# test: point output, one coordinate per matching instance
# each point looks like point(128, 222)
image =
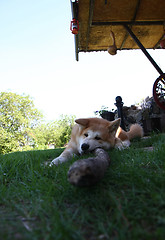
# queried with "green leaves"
point(56, 132)
point(22, 126)
point(17, 116)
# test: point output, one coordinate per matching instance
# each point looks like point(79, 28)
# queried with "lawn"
point(37, 201)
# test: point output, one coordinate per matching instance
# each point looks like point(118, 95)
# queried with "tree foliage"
point(18, 117)
point(22, 126)
point(55, 133)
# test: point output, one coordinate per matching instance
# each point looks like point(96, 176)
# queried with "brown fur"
point(91, 133)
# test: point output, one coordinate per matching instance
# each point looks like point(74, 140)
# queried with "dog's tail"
point(135, 131)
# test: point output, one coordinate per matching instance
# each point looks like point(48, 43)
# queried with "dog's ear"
point(113, 126)
point(82, 121)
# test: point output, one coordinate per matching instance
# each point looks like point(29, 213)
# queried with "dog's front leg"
point(64, 157)
point(121, 144)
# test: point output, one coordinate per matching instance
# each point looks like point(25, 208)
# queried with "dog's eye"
point(98, 138)
point(86, 134)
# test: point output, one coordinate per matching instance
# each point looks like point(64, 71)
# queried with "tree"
point(18, 117)
point(57, 132)
point(22, 126)
point(63, 128)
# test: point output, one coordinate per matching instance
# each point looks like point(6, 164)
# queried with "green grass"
point(37, 202)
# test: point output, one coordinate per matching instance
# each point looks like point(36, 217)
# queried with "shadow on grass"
point(37, 201)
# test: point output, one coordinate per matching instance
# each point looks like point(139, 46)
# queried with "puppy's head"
point(96, 132)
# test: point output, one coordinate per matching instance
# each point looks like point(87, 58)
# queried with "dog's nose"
point(84, 146)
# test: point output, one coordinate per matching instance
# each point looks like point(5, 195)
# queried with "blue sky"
point(37, 58)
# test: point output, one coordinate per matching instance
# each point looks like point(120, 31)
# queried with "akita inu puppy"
point(91, 133)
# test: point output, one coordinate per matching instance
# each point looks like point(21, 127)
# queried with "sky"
point(37, 58)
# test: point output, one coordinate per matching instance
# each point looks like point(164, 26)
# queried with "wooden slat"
point(95, 38)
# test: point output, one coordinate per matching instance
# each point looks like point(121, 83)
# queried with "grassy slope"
point(37, 202)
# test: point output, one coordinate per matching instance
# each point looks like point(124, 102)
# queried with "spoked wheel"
point(159, 91)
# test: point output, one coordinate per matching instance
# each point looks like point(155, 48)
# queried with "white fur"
point(92, 142)
point(88, 131)
point(57, 160)
point(123, 144)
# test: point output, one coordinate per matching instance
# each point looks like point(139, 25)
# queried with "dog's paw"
point(122, 145)
point(57, 161)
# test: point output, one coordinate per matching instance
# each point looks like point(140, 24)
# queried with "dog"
point(91, 133)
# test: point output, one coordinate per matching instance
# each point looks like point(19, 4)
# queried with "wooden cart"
point(137, 24)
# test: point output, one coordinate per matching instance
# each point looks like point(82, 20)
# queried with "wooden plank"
point(97, 38)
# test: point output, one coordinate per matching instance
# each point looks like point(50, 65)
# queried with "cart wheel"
point(159, 91)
